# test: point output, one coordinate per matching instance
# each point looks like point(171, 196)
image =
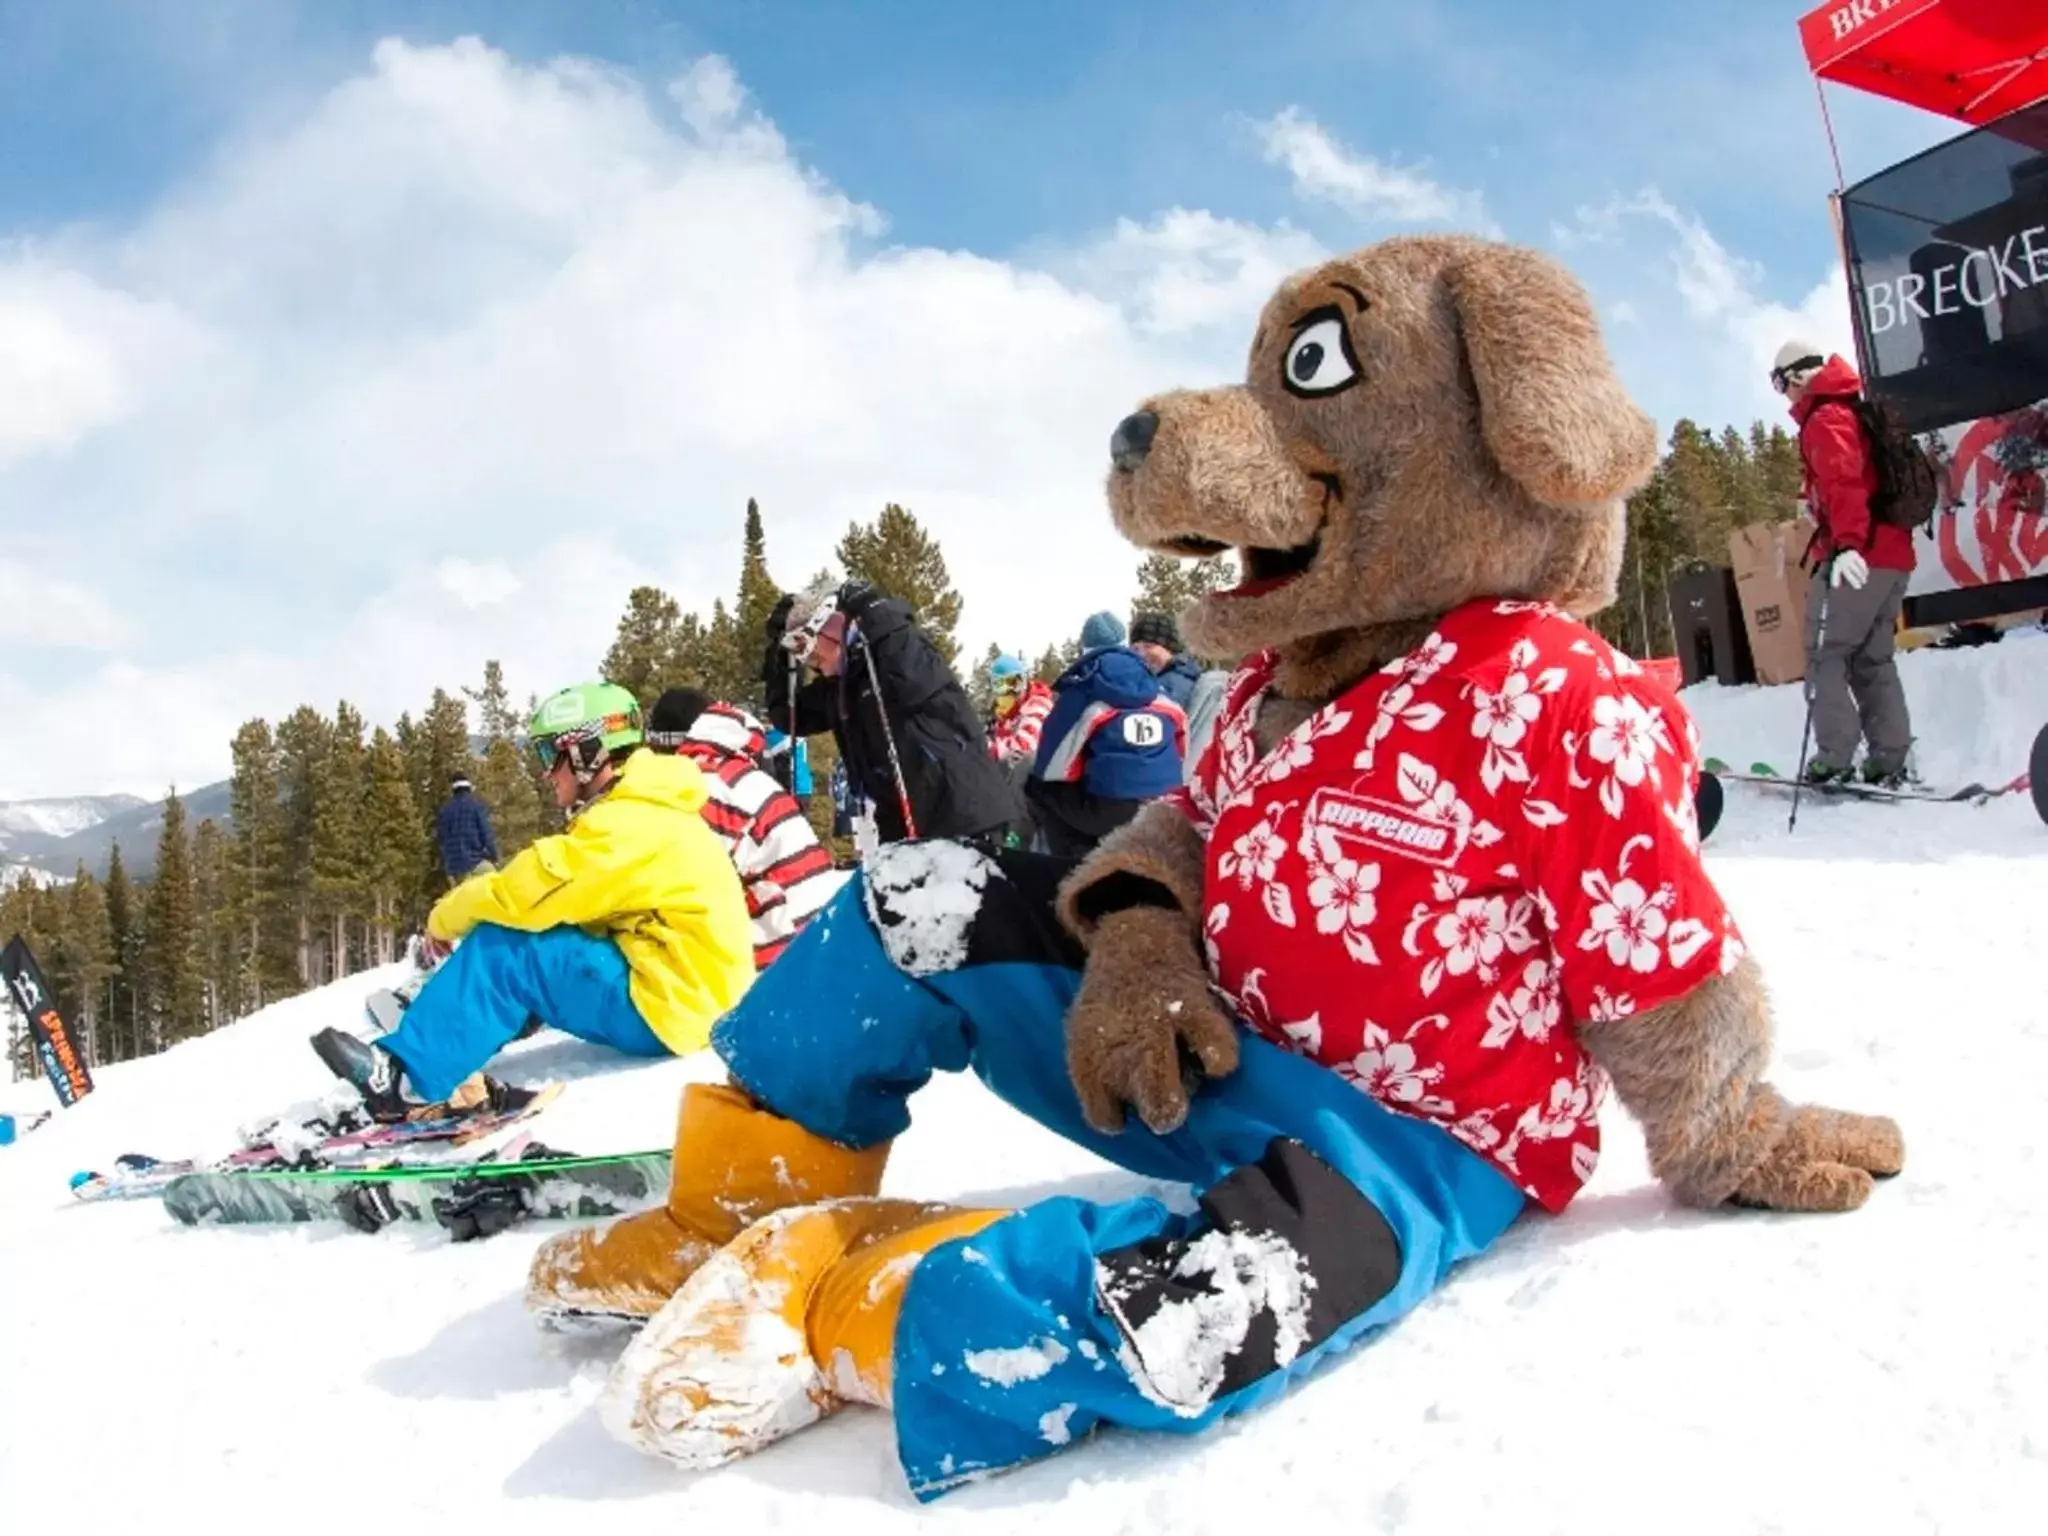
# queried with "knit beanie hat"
point(1101, 631)
point(1156, 629)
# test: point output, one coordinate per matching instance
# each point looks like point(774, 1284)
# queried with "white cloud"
point(478, 585)
point(1325, 171)
point(482, 331)
point(1694, 324)
point(39, 609)
point(1188, 270)
point(75, 354)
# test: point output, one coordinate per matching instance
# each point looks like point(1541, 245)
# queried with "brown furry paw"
point(1144, 1005)
point(1870, 1142)
point(1824, 1162)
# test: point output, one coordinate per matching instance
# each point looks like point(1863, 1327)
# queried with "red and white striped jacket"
point(1013, 737)
point(786, 871)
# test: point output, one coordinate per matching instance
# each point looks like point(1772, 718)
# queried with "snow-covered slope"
point(1625, 1368)
point(59, 818)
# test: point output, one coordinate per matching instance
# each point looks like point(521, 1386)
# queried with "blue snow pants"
point(479, 998)
point(1003, 1350)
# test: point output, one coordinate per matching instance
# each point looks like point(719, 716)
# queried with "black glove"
point(778, 617)
point(776, 666)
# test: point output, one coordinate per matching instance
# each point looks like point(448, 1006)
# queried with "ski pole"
point(889, 740)
point(1820, 635)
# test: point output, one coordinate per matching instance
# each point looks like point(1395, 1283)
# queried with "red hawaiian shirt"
point(1440, 872)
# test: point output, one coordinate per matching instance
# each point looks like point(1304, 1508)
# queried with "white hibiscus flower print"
point(1389, 1070)
point(1531, 1011)
point(1474, 934)
point(1397, 708)
point(1478, 1131)
point(1504, 718)
point(1626, 739)
point(1609, 1006)
point(1427, 659)
point(1256, 856)
point(1630, 925)
point(1341, 889)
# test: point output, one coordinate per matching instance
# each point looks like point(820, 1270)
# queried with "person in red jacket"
point(1860, 582)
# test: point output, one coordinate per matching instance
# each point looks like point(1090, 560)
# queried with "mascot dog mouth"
point(1264, 570)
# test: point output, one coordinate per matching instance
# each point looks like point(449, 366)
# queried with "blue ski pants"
point(479, 998)
point(1003, 1350)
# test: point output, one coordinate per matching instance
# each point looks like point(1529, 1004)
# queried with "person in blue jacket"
point(789, 761)
point(1112, 742)
point(462, 830)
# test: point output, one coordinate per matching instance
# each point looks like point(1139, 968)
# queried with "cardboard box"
point(1772, 588)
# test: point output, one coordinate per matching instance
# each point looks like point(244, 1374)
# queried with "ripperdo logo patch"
point(1381, 826)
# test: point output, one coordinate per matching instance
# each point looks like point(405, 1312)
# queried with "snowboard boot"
point(793, 1319)
point(734, 1163)
point(378, 1075)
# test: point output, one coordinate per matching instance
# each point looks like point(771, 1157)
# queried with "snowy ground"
point(1626, 1368)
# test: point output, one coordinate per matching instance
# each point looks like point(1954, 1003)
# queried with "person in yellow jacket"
point(629, 928)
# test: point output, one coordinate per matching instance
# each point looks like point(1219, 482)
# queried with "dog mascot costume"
point(1362, 983)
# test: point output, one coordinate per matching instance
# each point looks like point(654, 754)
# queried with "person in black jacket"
point(854, 638)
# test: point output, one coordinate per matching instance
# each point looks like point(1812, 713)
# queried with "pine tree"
point(1050, 665)
point(124, 1006)
point(758, 593)
point(1169, 585)
point(506, 786)
point(444, 750)
point(645, 649)
point(337, 842)
point(903, 561)
point(497, 718)
point(257, 876)
point(218, 973)
point(1780, 475)
point(176, 1005)
point(86, 960)
point(396, 841)
point(304, 740)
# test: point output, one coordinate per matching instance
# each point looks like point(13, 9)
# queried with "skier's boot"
point(791, 1320)
point(377, 1074)
point(734, 1163)
point(1819, 775)
point(1884, 776)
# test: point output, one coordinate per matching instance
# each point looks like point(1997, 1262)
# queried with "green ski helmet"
point(586, 723)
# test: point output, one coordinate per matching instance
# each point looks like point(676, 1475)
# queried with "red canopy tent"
point(1974, 60)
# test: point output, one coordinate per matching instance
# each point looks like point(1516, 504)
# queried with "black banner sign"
point(1948, 273)
point(60, 1056)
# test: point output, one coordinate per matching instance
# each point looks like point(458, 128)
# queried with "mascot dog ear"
point(1552, 413)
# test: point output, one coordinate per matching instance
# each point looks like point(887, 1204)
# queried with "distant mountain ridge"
point(58, 835)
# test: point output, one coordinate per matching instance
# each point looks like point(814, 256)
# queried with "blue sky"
point(353, 350)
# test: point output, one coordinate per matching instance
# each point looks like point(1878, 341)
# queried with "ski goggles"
point(1781, 377)
point(828, 623)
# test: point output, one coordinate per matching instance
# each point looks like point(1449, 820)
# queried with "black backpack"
point(1908, 490)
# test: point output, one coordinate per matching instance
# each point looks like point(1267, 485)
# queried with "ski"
point(471, 1199)
point(1850, 789)
point(429, 1141)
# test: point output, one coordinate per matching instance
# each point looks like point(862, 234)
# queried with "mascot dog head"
point(1424, 421)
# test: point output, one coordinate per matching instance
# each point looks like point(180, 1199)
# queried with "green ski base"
point(573, 1188)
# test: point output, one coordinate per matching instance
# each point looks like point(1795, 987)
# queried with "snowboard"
point(429, 1140)
point(472, 1199)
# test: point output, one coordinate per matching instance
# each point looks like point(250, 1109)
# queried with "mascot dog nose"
point(1132, 440)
